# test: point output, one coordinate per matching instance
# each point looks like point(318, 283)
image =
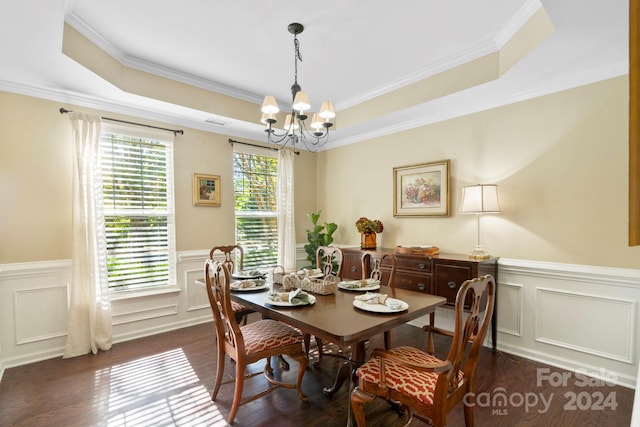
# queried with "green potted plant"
point(320, 235)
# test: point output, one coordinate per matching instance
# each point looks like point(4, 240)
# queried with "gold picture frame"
point(206, 190)
point(421, 190)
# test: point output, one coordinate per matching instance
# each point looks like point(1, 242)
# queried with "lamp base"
point(479, 253)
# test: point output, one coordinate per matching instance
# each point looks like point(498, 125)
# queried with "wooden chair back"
point(372, 263)
point(471, 326)
point(233, 256)
point(329, 260)
point(228, 333)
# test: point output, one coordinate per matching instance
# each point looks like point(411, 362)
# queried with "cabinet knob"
point(421, 286)
point(452, 285)
point(421, 266)
point(353, 269)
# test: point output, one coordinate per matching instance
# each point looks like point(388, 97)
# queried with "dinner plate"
point(312, 300)
point(372, 285)
point(379, 308)
point(261, 287)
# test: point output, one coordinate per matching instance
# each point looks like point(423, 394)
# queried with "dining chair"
point(250, 343)
point(233, 257)
point(329, 260)
point(421, 383)
point(372, 263)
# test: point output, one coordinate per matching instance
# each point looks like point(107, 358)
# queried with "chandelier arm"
point(318, 138)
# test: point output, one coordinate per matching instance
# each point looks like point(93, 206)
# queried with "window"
point(137, 178)
point(254, 183)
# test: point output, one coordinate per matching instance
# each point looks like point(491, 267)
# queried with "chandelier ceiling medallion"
point(295, 128)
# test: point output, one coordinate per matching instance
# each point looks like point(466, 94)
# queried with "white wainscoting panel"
point(138, 314)
point(49, 305)
point(510, 309)
point(574, 317)
point(584, 322)
point(196, 294)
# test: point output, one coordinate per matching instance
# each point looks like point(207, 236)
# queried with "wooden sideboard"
point(440, 275)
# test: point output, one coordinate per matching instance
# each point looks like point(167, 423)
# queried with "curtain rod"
point(232, 141)
point(175, 131)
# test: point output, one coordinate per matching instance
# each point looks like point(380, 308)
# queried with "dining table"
point(335, 319)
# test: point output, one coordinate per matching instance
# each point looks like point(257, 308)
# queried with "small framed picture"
point(421, 190)
point(206, 190)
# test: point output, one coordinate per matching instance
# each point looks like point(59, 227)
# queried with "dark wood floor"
point(165, 380)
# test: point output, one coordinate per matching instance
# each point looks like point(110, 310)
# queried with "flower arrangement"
point(365, 225)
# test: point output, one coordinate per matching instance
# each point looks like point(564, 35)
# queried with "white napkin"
point(294, 297)
point(383, 299)
point(244, 284)
point(372, 298)
point(355, 284)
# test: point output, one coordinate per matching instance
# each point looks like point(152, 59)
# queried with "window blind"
point(254, 180)
point(137, 177)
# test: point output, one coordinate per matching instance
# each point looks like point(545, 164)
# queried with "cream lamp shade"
point(479, 199)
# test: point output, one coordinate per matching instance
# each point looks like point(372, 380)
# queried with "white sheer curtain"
point(286, 211)
point(89, 317)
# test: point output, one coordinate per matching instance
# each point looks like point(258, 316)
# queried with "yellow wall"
point(36, 183)
point(560, 162)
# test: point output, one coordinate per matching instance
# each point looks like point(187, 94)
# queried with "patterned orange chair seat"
point(267, 333)
point(420, 385)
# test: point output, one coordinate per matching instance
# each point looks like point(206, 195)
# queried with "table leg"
point(347, 368)
point(430, 343)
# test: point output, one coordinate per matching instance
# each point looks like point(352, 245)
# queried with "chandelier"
point(295, 128)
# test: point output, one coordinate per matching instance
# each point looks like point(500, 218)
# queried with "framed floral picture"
point(421, 190)
point(206, 190)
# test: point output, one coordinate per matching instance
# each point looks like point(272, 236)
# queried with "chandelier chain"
point(297, 57)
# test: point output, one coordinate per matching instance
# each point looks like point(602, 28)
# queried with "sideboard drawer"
point(351, 265)
point(449, 278)
point(418, 264)
point(412, 282)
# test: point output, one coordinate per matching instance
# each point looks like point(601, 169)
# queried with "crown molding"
point(426, 114)
point(439, 65)
point(236, 128)
point(148, 67)
point(518, 21)
point(418, 116)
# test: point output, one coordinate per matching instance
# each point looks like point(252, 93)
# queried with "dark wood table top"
point(334, 318)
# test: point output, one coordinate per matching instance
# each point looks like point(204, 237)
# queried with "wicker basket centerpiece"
point(325, 286)
point(279, 272)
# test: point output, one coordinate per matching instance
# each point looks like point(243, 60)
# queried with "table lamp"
point(479, 199)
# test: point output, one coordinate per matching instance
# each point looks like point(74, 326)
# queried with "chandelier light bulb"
point(316, 123)
point(327, 111)
point(301, 102)
point(290, 124)
point(269, 105)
